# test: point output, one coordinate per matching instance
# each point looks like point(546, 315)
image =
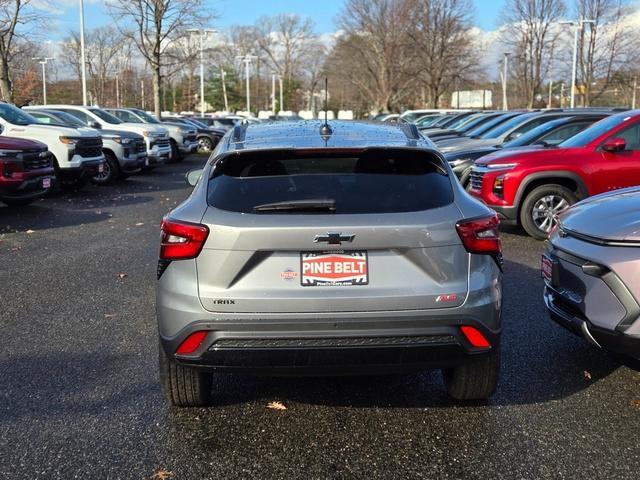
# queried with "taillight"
point(181, 240)
point(480, 235)
point(475, 337)
point(191, 343)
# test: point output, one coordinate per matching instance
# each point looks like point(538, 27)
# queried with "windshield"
point(197, 123)
point(464, 121)
point(69, 120)
point(106, 116)
point(15, 116)
point(477, 122)
point(145, 116)
point(507, 126)
point(486, 126)
point(533, 135)
point(594, 131)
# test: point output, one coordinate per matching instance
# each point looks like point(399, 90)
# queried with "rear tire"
point(183, 386)
point(175, 153)
point(541, 205)
point(476, 380)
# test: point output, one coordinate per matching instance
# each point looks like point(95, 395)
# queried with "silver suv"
point(314, 249)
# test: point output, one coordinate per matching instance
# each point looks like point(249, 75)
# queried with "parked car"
point(590, 268)
point(480, 123)
point(26, 171)
point(156, 137)
point(411, 116)
point(224, 123)
point(548, 134)
point(125, 152)
point(363, 256)
point(207, 137)
point(532, 186)
point(76, 154)
point(183, 139)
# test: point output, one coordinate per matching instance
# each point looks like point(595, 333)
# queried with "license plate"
point(46, 183)
point(101, 168)
point(547, 268)
point(334, 269)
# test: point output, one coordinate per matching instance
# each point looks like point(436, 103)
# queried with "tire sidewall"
point(526, 217)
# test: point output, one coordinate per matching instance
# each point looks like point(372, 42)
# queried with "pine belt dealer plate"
point(334, 269)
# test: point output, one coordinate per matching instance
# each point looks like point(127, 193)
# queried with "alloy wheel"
point(545, 211)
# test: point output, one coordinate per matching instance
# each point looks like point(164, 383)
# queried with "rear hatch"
point(339, 231)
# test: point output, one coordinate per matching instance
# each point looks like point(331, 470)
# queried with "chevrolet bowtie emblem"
point(333, 238)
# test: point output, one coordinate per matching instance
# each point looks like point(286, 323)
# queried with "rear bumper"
point(279, 349)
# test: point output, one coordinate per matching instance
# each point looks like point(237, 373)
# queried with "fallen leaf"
point(122, 275)
point(635, 403)
point(587, 375)
point(276, 406)
point(139, 224)
point(30, 231)
point(162, 475)
point(110, 315)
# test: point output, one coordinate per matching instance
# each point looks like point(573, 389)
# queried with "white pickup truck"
point(77, 154)
point(156, 137)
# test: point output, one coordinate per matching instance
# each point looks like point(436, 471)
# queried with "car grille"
point(160, 142)
point(36, 161)
point(139, 146)
point(476, 179)
point(89, 147)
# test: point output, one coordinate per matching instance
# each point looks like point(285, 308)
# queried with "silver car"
point(314, 249)
point(591, 266)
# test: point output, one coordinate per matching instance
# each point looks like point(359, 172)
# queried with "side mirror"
point(95, 125)
point(614, 145)
point(193, 176)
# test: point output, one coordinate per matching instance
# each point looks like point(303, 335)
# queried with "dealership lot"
point(80, 396)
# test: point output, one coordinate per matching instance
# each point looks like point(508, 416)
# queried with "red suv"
point(531, 186)
point(26, 171)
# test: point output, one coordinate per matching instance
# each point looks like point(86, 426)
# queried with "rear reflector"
point(475, 337)
point(191, 343)
point(181, 240)
point(480, 235)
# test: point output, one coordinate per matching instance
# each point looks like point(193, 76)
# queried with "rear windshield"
point(376, 181)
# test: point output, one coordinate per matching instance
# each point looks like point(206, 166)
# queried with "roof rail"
point(411, 131)
point(239, 131)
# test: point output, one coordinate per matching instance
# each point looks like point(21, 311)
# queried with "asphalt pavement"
point(79, 392)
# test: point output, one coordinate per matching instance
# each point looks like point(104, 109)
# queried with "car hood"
point(611, 216)
point(142, 127)
point(470, 143)
point(119, 133)
point(508, 155)
point(35, 129)
point(11, 143)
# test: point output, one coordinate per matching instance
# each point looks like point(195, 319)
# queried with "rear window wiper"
point(311, 205)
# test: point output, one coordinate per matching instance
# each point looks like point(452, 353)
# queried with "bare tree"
point(529, 32)
point(372, 52)
point(608, 46)
point(13, 14)
point(153, 25)
point(104, 51)
point(442, 44)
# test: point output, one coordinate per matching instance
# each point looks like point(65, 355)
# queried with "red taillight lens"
point(480, 235)
point(181, 240)
point(191, 343)
point(475, 337)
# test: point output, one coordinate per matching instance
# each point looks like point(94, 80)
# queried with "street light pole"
point(281, 95)
point(579, 26)
point(273, 93)
point(202, 32)
point(247, 59)
point(504, 82)
point(43, 61)
point(82, 55)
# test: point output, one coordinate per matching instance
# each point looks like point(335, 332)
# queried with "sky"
point(244, 12)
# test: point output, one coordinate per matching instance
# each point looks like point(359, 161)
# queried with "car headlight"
point(9, 153)
point(501, 166)
point(147, 133)
point(122, 141)
point(69, 140)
